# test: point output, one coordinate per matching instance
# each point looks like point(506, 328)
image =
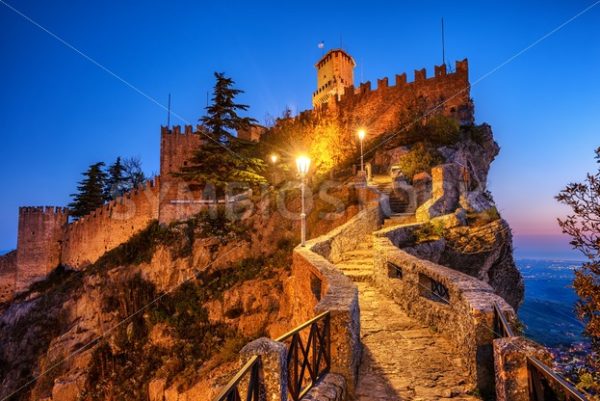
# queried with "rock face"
point(469, 234)
point(489, 248)
point(221, 285)
point(484, 252)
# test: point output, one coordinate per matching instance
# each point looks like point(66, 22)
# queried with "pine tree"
point(223, 158)
point(90, 191)
point(115, 182)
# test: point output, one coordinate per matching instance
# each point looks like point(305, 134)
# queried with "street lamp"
point(274, 158)
point(361, 137)
point(303, 164)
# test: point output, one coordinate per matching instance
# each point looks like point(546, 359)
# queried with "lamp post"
point(361, 137)
point(303, 164)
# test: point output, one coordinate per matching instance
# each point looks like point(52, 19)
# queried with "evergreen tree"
point(223, 158)
point(90, 191)
point(115, 182)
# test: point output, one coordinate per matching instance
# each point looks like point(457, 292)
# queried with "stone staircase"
point(403, 359)
point(358, 264)
point(397, 203)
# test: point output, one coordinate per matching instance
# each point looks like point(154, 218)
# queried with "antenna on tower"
point(169, 112)
point(443, 44)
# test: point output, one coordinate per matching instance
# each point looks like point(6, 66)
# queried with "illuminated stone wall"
point(335, 72)
point(88, 238)
point(38, 243)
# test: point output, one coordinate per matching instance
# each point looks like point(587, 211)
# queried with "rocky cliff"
point(162, 316)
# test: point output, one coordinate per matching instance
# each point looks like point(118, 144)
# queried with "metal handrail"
point(230, 392)
point(304, 325)
point(501, 327)
point(537, 389)
point(308, 360)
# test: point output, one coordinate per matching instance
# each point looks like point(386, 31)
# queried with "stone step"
point(358, 253)
point(355, 264)
point(396, 220)
point(368, 244)
point(358, 275)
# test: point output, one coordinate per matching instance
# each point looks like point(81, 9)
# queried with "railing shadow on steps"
point(543, 383)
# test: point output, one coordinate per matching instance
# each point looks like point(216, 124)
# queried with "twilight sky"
point(59, 112)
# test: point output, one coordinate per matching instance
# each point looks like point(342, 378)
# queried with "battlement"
point(420, 78)
point(47, 210)
point(176, 130)
point(149, 188)
point(113, 223)
point(176, 147)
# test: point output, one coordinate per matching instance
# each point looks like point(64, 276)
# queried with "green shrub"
point(429, 232)
point(442, 130)
point(421, 158)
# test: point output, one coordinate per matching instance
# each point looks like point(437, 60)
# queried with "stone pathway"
point(402, 358)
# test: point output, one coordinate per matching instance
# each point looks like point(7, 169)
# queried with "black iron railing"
point(245, 385)
point(439, 291)
point(545, 385)
point(394, 271)
point(501, 326)
point(308, 357)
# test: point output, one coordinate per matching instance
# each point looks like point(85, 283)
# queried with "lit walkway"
point(402, 358)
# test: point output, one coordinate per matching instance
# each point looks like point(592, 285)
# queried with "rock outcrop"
point(163, 316)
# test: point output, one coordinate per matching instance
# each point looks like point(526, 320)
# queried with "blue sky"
point(59, 112)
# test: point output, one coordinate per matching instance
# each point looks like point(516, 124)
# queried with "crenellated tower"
point(176, 148)
point(41, 231)
point(335, 72)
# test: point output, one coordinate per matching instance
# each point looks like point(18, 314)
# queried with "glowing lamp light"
point(303, 164)
point(274, 158)
point(361, 136)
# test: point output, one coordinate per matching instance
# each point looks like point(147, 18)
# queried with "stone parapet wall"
point(350, 235)
point(466, 316)
point(510, 366)
point(319, 287)
point(88, 238)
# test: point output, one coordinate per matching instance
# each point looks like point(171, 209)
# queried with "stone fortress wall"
point(88, 238)
point(46, 239)
point(378, 110)
point(39, 238)
point(176, 148)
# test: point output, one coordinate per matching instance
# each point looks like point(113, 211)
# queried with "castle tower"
point(176, 199)
point(41, 231)
point(335, 72)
